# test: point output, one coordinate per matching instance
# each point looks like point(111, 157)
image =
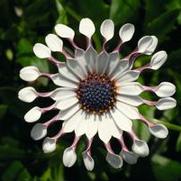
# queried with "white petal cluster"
point(29, 73)
point(87, 27)
point(126, 32)
point(147, 45)
point(69, 157)
point(54, 43)
point(107, 29)
point(38, 131)
point(41, 51)
point(64, 31)
point(27, 94)
point(49, 145)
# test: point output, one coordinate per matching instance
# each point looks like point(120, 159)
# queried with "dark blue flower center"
point(96, 94)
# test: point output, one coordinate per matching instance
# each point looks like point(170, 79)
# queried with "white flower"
point(97, 93)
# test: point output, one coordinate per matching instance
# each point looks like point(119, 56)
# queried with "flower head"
point(97, 93)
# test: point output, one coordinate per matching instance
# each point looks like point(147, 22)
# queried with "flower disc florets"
point(97, 94)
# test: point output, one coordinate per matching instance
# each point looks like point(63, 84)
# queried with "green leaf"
point(166, 169)
point(54, 171)
point(7, 152)
point(163, 24)
point(3, 110)
point(150, 12)
point(38, 14)
point(178, 144)
point(175, 4)
point(8, 96)
point(96, 10)
point(170, 115)
point(174, 59)
point(24, 47)
point(46, 175)
point(141, 130)
point(62, 15)
point(124, 10)
point(16, 171)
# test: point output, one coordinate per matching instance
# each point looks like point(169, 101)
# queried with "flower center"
point(96, 94)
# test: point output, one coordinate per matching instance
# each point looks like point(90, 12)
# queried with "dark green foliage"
point(25, 22)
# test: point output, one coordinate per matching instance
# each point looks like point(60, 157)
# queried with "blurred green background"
point(25, 22)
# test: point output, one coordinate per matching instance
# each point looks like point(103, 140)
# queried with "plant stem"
point(169, 125)
point(72, 13)
point(97, 42)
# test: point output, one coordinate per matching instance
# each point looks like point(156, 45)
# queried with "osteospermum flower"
point(96, 93)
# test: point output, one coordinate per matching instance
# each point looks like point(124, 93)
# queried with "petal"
point(144, 44)
point(69, 112)
point(70, 124)
point(129, 157)
point(92, 127)
point(54, 43)
point(129, 76)
point(102, 62)
point(64, 31)
point(103, 129)
point(33, 115)
point(166, 103)
point(107, 128)
point(133, 89)
point(126, 32)
point(49, 145)
point(69, 157)
point(115, 131)
point(114, 160)
point(107, 29)
point(66, 103)
point(63, 81)
point(62, 93)
point(158, 59)
point(38, 131)
point(165, 89)
point(140, 147)
point(113, 62)
point(131, 100)
point(83, 63)
point(79, 52)
point(41, 51)
point(82, 125)
point(88, 161)
point(130, 111)
point(29, 73)
point(121, 120)
point(76, 68)
point(86, 27)
point(159, 131)
point(122, 66)
point(27, 94)
point(64, 71)
point(90, 58)
point(153, 46)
